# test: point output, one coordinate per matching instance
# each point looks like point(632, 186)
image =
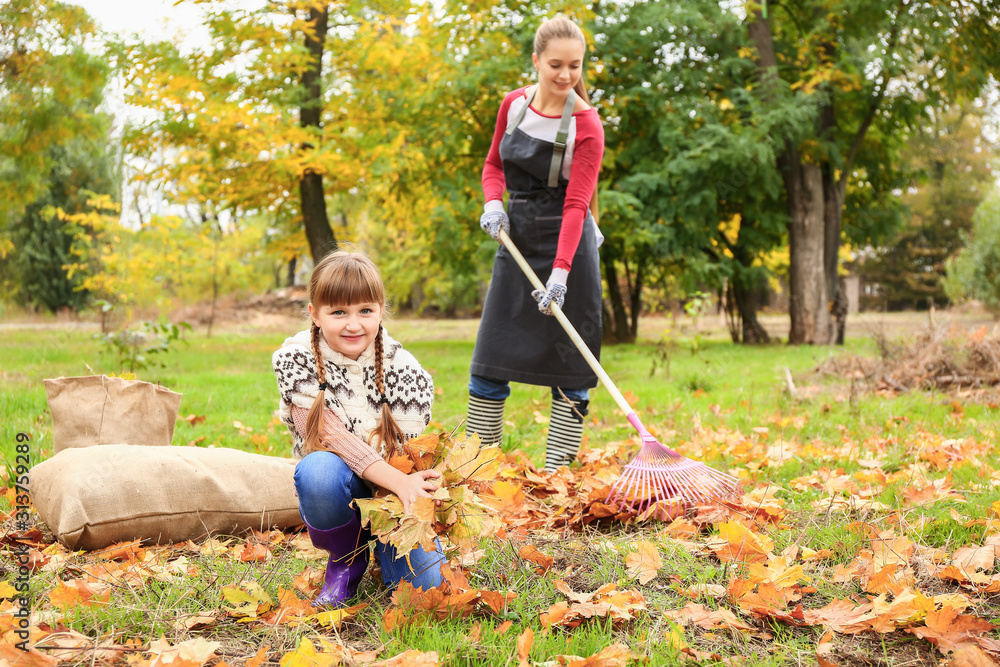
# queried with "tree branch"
point(869, 117)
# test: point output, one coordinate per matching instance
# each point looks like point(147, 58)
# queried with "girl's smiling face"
point(559, 66)
point(348, 330)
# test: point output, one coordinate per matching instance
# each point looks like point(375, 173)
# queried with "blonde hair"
point(560, 27)
point(347, 278)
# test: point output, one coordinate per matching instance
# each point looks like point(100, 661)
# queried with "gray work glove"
point(555, 291)
point(494, 219)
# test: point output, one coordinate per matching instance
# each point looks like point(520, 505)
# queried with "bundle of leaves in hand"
point(460, 516)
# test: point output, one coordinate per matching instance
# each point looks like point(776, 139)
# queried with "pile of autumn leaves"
point(901, 586)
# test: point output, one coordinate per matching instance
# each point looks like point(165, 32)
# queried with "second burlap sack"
point(101, 410)
point(91, 498)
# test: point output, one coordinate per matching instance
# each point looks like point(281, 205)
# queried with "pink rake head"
point(661, 476)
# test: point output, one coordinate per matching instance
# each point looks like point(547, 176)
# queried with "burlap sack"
point(90, 498)
point(99, 410)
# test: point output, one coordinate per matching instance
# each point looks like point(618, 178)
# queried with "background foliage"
point(698, 188)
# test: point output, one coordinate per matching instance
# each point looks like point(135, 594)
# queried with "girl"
point(351, 396)
point(546, 153)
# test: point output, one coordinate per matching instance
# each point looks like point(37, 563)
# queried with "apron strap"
point(560, 144)
point(520, 114)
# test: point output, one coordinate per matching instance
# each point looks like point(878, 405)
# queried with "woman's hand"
point(494, 219)
point(420, 484)
point(554, 292)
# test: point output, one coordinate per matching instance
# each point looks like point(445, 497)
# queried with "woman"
point(546, 154)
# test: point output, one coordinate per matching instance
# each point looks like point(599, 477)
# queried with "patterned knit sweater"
point(352, 398)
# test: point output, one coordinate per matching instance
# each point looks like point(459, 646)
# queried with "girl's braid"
point(388, 430)
point(314, 422)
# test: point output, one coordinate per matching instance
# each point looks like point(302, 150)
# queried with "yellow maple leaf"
point(334, 617)
point(645, 562)
point(468, 461)
point(248, 600)
point(307, 656)
point(416, 527)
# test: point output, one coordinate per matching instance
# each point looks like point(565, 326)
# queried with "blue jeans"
point(499, 390)
point(326, 486)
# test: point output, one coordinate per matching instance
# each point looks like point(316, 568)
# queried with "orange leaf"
point(825, 649)
point(555, 615)
point(504, 627)
point(698, 615)
point(524, 642)
point(255, 553)
point(410, 658)
point(11, 655)
point(531, 553)
point(506, 496)
point(949, 630)
point(402, 462)
point(616, 655)
point(423, 450)
point(76, 593)
point(971, 656)
point(259, 657)
point(497, 602)
point(308, 581)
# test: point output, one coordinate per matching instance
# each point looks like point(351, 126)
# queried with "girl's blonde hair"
point(560, 27)
point(344, 279)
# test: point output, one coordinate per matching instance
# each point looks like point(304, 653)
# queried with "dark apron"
point(516, 342)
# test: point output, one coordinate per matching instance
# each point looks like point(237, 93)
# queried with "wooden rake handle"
point(592, 361)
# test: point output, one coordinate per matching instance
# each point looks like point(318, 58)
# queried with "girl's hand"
point(420, 484)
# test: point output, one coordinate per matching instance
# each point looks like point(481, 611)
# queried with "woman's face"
point(559, 66)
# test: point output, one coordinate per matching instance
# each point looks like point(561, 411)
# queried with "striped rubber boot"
point(565, 432)
point(485, 418)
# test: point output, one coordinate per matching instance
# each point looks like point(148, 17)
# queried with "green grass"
point(681, 391)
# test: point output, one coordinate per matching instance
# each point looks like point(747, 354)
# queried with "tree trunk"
point(313, 200)
point(833, 211)
point(620, 331)
point(744, 297)
point(808, 308)
point(807, 298)
point(636, 297)
point(833, 203)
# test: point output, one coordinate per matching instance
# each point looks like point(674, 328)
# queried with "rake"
point(658, 475)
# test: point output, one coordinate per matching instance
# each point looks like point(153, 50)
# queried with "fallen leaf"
point(306, 655)
point(949, 630)
point(248, 600)
point(77, 593)
point(524, 642)
point(190, 653)
point(255, 553)
point(259, 657)
point(11, 655)
point(334, 617)
point(645, 562)
point(698, 615)
point(410, 658)
point(824, 651)
point(531, 553)
point(202, 619)
point(971, 656)
point(616, 655)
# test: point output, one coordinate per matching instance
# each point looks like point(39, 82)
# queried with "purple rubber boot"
point(348, 547)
